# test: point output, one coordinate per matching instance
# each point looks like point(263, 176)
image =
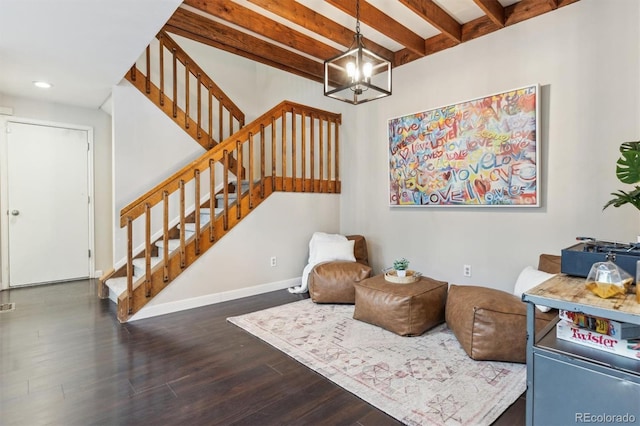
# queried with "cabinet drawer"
point(568, 392)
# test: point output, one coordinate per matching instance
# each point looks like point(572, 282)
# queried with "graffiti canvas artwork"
point(479, 153)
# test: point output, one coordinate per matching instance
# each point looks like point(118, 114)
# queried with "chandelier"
point(357, 75)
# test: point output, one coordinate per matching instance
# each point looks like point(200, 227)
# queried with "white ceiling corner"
point(82, 47)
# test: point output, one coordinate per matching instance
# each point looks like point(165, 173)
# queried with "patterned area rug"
point(425, 380)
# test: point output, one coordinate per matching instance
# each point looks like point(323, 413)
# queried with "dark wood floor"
point(65, 360)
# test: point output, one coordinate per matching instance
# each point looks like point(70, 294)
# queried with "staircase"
point(291, 147)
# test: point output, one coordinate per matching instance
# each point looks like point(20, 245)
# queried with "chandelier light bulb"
point(351, 70)
point(367, 70)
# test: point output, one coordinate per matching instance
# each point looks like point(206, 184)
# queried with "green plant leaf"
point(622, 198)
point(628, 166)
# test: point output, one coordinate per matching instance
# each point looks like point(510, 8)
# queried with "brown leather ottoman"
point(491, 324)
point(405, 309)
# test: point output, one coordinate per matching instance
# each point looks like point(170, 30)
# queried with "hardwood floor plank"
point(65, 360)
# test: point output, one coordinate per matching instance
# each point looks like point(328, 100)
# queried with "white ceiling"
point(82, 47)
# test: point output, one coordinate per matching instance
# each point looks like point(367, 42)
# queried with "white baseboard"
point(210, 299)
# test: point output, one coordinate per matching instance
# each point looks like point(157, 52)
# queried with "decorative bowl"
point(411, 277)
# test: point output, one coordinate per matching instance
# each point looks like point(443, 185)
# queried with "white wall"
point(586, 57)
point(255, 87)
point(101, 124)
point(147, 148)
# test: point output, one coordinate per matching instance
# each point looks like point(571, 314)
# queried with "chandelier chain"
point(357, 16)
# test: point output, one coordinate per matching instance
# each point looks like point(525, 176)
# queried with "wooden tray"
point(412, 276)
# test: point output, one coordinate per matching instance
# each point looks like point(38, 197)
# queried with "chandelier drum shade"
point(357, 75)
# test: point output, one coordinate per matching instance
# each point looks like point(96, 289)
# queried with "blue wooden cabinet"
point(568, 383)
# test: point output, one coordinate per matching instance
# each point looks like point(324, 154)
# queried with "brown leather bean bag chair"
point(491, 324)
point(332, 282)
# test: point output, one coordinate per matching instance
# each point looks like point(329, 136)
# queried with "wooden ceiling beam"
point(382, 23)
point(480, 27)
point(493, 9)
point(196, 27)
point(309, 19)
point(269, 47)
point(259, 24)
point(525, 9)
point(436, 16)
point(562, 3)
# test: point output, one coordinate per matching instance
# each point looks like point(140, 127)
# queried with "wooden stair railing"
point(291, 148)
point(214, 117)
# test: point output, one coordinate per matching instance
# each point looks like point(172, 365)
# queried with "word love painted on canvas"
point(482, 152)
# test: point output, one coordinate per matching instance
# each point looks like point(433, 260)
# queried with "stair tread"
point(232, 195)
point(173, 244)
point(118, 285)
point(207, 211)
point(244, 187)
point(141, 263)
point(191, 226)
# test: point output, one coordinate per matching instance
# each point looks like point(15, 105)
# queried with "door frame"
point(4, 218)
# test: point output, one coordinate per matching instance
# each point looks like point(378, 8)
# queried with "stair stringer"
point(238, 265)
point(128, 304)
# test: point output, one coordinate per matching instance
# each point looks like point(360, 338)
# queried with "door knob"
point(15, 212)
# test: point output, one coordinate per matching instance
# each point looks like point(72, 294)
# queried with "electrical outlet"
point(274, 261)
point(466, 270)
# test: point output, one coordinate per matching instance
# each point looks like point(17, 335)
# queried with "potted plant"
point(627, 171)
point(401, 265)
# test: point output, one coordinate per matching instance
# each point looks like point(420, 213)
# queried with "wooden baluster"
point(187, 78)
point(183, 260)
point(210, 118)
point(133, 72)
point(161, 60)
point(212, 199)
point(130, 264)
point(199, 102)
point(250, 170)
point(329, 155)
point(147, 249)
point(262, 160)
point(337, 156)
point(321, 149)
point(230, 124)
point(273, 154)
point(239, 178)
point(165, 235)
point(196, 178)
point(220, 121)
point(303, 139)
point(284, 149)
point(312, 153)
point(147, 82)
point(175, 83)
point(294, 142)
point(225, 190)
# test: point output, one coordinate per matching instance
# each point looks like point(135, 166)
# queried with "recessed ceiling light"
point(42, 84)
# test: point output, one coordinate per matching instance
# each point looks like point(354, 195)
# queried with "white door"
point(48, 208)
